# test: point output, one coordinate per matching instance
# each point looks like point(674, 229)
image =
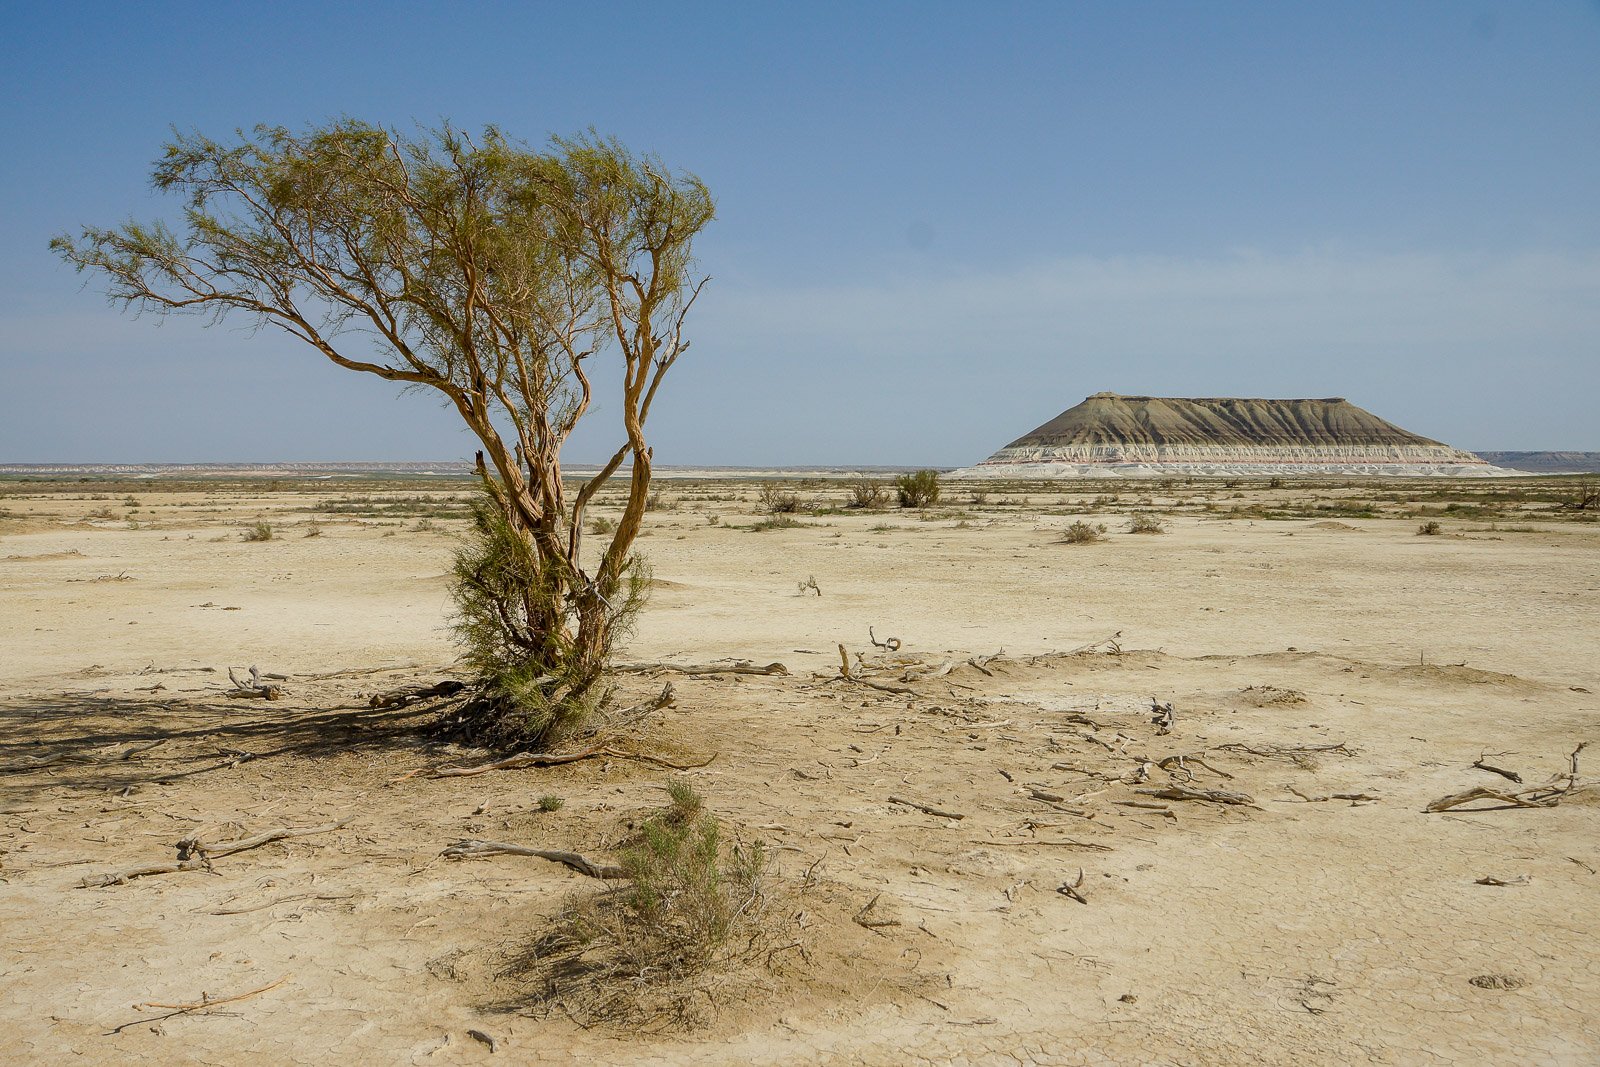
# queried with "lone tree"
point(498, 275)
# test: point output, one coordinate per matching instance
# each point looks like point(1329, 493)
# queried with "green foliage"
point(261, 531)
point(919, 489)
point(551, 803)
point(496, 274)
point(515, 623)
point(687, 890)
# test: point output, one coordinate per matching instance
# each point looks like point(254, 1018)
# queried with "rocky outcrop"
point(1120, 436)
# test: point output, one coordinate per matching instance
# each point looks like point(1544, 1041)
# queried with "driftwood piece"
point(1210, 796)
point(524, 760)
point(1492, 769)
point(255, 687)
point(1294, 753)
point(33, 763)
point(208, 1001)
point(1490, 879)
point(694, 669)
point(925, 809)
point(411, 694)
point(473, 849)
point(1542, 796)
point(1162, 716)
point(1073, 889)
point(1501, 799)
point(194, 854)
point(1352, 797)
point(864, 916)
point(888, 644)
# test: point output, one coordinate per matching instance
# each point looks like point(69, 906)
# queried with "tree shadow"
point(117, 743)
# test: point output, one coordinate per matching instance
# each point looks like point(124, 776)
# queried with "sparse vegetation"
point(776, 500)
point(693, 901)
point(550, 802)
point(1429, 529)
point(1083, 533)
point(919, 489)
point(865, 494)
point(261, 531)
point(776, 522)
point(575, 254)
point(1144, 522)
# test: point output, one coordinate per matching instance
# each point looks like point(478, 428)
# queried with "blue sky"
point(939, 224)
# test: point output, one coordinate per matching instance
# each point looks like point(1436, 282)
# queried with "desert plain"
point(989, 844)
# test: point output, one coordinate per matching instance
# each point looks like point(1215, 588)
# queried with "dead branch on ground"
point(742, 666)
point(1210, 796)
point(1073, 889)
point(411, 694)
point(1352, 797)
point(255, 687)
point(1162, 716)
point(33, 763)
point(208, 1001)
point(1544, 796)
point(925, 809)
point(888, 644)
point(474, 849)
point(194, 854)
point(1492, 769)
point(861, 918)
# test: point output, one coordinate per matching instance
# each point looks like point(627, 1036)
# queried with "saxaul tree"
point(503, 277)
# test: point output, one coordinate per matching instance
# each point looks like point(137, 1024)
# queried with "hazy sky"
point(939, 224)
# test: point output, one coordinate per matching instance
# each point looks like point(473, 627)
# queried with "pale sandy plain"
point(1293, 931)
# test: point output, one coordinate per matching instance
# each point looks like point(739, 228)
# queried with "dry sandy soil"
point(1304, 659)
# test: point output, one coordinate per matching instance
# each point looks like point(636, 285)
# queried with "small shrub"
point(601, 525)
point(776, 522)
point(691, 904)
point(551, 802)
point(713, 520)
point(313, 528)
point(261, 531)
point(659, 502)
point(979, 498)
point(778, 501)
point(1083, 533)
point(1429, 529)
point(1146, 523)
point(917, 490)
point(865, 494)
point(425, 526)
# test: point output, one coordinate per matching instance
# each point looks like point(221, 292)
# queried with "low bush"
point(865, 494)
point(775, 500)
point(692, 901)
point(1429, 529)
point(1146, 523)
point(919, 489)
point(1083, 533)
point(261, 531)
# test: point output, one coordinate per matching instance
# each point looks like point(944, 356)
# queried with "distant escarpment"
point(1545, 462)
point(1121, 436)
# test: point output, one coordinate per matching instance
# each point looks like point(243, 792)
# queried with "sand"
point(1287, 931)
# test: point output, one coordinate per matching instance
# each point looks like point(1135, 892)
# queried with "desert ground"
point(1059, 877)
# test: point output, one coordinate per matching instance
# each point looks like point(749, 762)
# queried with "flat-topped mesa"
point(1109, 435)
